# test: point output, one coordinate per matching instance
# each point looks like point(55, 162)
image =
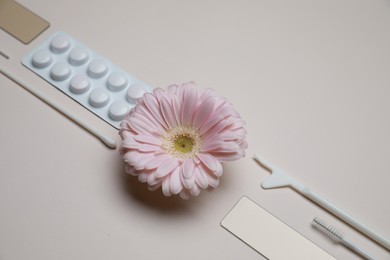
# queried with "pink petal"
point(139, 126)
point(149, 139)
point(143, 176)
point(145, 115)
point(207, 93)
point(140, 164)
point(209, 161)
point(166, 186)
point(167, 113)
point(153, 180)
point(129, 143)
point(195, 191)
point(188, 106)
point(220, 103)
point(157, 161)
point(211, 123)
point(154, 108)
point(172, 89)
point(224, 157)
point(201, 179)
point(175, 182)
point(221, 146)
point(129, 157)
point(218, 172)
point(181, 91)
point(184, 194)
point(130, 170)
point(166, 167)
point(148, 148)
point(189, 182)
point(213, 181)
point(188, 168)
point(203, 112)
point(216, 128)
point(176, 107)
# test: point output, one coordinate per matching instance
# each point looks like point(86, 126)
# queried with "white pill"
point(116, 81)
point(97, 69)
point(99, 97)
point(60, 71)
point(79, 84)
point(41, 59)
point(78, 56)
point(118, 110)
point(59, 44)
point(135, 91)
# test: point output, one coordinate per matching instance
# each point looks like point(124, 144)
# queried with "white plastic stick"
point(109, 142)
point(337, 236)
point(280, 179)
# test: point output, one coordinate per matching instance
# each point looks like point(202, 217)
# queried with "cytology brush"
point(339, 237)
point(279, 179)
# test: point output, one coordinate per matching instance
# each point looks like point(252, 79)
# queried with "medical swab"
point(339, 237)
point(279, 179)
point(108, 141)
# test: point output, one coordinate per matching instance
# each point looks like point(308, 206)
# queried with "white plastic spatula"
point(279, 179)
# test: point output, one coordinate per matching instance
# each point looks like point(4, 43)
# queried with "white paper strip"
point(268, 235)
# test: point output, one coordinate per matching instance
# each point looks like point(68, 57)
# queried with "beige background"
point(311, 79)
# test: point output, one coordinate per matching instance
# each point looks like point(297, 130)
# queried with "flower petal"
point(172, 89)
point(188, 168)
point(158, 160)
point(152, 180)
point(220, 146)
point(188, 105)
point(216, 128)
point(140, 164)
point(184, 194)
point(209, 92)
point(139, 126)
point(149, 139)
point(201, 178)
point(154, 187)
point(148, 148)
point(145, 115)
point(195, 191)
point(210, 123)
point(224, 157)
point(213, 181)
point(204, 112)
point(218, 172)
point(154, 108)
point(209, 161)
point(130, 170)
point(166, 167)
point(143, 176)
point(189, 182)
point(175, 183)
point(166, 186)
point(167, 113)
point(176, 107)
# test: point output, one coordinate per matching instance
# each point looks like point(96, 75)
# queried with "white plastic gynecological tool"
point(108, 141)
point(280, 179)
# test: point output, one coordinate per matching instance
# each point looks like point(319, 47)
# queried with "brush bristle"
point(328, 230)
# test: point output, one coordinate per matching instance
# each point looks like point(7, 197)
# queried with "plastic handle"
point(108, 141)
point(345, 217)
point(357, 249)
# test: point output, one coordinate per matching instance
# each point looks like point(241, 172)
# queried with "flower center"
point(182, 142)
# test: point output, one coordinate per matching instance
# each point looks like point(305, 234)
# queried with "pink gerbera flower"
point(176, 139)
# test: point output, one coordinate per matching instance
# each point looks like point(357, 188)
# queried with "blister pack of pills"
point(87, 77)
